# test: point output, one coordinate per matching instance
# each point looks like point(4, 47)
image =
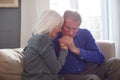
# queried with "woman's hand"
point(64, 42)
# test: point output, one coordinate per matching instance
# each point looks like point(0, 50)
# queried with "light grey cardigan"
point(41, 62)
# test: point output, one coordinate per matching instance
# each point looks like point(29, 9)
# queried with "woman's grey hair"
point(47, 21)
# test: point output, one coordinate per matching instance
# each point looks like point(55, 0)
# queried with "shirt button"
point(81, 57)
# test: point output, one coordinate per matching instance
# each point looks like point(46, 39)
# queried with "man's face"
point(70, 28)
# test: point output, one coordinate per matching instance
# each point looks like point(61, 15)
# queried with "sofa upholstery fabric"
point(11, 64)
point(12, 60)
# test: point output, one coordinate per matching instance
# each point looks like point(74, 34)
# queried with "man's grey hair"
point(74, 15)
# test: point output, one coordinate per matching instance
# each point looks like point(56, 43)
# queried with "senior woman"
point(41, 62)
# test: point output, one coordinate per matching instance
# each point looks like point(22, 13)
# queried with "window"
point(92, 12)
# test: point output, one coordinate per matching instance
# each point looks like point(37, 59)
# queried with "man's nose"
point(71, 32)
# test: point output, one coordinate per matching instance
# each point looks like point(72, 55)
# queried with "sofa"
point(12, 60)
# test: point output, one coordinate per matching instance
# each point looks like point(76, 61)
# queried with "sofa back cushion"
point(11, 60)
point(107, 48)
point(11, 64)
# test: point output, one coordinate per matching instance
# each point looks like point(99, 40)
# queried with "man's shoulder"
point(83, 31)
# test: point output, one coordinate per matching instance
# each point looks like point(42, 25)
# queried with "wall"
point(10, 22)
point(28, 17)
point(31, 9)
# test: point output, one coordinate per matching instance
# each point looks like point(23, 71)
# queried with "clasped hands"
point(67, 42)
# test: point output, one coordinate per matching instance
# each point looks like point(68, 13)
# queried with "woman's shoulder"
point(43, 37)
point(39, 40)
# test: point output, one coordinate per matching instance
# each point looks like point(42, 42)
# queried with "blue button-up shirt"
point(89, 52)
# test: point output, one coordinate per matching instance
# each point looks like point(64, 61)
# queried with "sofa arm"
point(107, 48)
point(11, 64)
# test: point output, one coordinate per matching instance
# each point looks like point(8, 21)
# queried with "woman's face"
point(55, 31)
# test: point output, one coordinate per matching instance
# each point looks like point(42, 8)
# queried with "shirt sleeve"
point(91, 52)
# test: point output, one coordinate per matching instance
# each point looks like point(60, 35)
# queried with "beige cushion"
point(11, 62)
point(107, 48)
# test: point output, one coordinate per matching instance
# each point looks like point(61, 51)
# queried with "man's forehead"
point(70, 22)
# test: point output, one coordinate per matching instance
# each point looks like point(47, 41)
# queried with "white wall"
point(41, 6)
point(30, 10)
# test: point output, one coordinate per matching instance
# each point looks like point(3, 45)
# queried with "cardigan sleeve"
point(45, 48)
point(54, 64)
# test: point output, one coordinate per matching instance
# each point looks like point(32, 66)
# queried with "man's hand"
point(68, 42)
point(73, 48)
